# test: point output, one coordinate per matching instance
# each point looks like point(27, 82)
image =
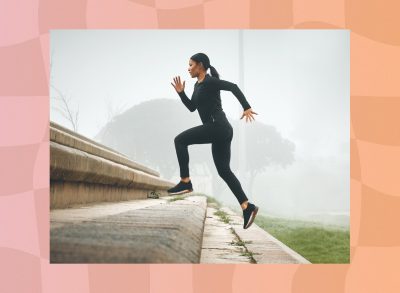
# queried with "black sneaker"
point(181, 187)
point(249, 215)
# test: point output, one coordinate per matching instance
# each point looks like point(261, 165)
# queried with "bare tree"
point(65, 109)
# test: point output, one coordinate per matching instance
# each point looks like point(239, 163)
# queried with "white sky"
point(296, 80)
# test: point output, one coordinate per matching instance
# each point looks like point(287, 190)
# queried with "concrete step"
point(220, 244)
point(262, 246)
point(136, 231)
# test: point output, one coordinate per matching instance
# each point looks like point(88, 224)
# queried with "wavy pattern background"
point(24, 145)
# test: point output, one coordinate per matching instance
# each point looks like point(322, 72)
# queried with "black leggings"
point(220, 135)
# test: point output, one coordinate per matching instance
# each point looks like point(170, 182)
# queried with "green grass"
point(240, 242)
point(223, 216)
point(178, 197)
point(213, 200)
point(249, 254)
point(242, 245)
point(316, 242)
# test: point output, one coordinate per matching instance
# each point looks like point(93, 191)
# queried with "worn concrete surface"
point(220, 244)
point(156, 231)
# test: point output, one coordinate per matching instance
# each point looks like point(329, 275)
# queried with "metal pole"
point(241, 133)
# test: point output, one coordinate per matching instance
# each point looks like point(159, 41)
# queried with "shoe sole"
point(181, 192)
point(252, 217)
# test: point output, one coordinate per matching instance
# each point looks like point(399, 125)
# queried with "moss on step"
point(213, 201)
point(224, 217)
point(178, 197)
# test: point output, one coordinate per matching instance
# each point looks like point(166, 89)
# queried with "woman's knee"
point(179, 139)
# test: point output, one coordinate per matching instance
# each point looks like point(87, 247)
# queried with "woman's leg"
point(222, 154)
point(206, 133)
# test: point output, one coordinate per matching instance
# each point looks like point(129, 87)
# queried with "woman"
point(216, 129)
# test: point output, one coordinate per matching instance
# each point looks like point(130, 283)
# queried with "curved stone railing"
point(84, 171)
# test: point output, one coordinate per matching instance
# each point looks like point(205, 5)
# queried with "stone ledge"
point(77, 177)
point(69, 194)
point(64, 136)
point(167, 232)
point(69, 164)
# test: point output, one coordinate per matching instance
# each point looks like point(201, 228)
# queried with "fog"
point(296, 80)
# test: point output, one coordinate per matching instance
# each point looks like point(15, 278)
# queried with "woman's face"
point(194, 68)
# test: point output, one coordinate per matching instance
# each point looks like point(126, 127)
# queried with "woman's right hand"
point(179, 87)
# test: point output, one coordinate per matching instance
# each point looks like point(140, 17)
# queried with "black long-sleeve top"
point(206, 97)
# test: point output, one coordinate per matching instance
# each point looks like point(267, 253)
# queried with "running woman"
point(215, 129)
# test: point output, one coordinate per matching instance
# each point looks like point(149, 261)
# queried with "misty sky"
point(296, 80)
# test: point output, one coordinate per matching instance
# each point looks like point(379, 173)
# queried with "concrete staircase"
point(105, 208)
point(180, 229)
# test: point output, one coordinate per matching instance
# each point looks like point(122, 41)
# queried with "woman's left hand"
point(249, 114)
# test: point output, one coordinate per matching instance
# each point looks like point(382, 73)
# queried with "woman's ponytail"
point(214, 72)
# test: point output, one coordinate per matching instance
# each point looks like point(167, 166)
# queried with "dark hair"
point(203, 58)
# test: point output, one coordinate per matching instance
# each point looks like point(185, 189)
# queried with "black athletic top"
point(206, 98)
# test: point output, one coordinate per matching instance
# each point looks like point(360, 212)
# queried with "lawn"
point(316, 242)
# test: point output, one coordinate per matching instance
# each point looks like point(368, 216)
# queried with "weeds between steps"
point(183, 196)
point(243, 248)
point(240, 242)
point(224, 217)
point(211, 200)
point(178, 197)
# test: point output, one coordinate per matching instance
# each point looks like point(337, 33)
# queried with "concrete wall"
point(84, 171)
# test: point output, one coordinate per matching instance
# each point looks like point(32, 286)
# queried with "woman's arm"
point(232, 87)
point(187, 102)
point(180, 89)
